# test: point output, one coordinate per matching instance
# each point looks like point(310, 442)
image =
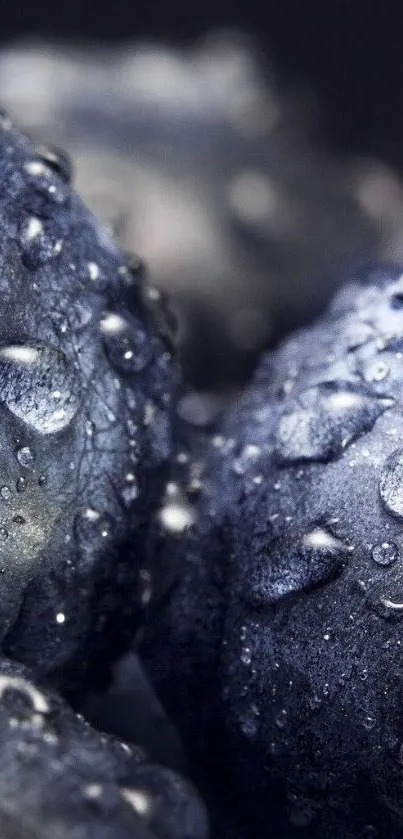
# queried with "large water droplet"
point(126, 342)
point(325, 420)
point(39, 385)
point(295, 564)
point(386, 553)
point(391, 484)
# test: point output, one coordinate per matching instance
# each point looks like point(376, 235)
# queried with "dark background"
point(351, 51)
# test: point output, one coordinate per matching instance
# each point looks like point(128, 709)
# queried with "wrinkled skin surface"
point(85, 393)
point(59, 779)
point(279, 640)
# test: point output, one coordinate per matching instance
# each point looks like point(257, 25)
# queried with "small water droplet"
point(5, 493)
point(126, 342)
point(21, 484)
point(45, 182)
point(3, 533)
point(25, 456)
point(57, 160)
point(376, 371)
point(38, 242)
point(369, 722)
point(89, 428)
point(281, 718)
point(385, 553)
point(95, 277)
point(246, 656)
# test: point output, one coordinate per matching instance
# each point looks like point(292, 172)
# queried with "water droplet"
point(39, 386)
point(45, 182)
point(21, 484)
point(163, 319)
point(296, 564)
point(94, 277)
point(325, 420)
point(25, 456)
point(126, 342)
point(38, 243)
point(281, 718)
point(89, 428)
point(57, 160)
point(3, 533)
point(385, 553)
point(376, 371)
point(246, 656)
point(5, 493)
point(391, 484)
point(369, 722)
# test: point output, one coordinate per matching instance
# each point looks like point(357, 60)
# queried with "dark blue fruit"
point(279, 636)
point(86, 387)
point(60, 778)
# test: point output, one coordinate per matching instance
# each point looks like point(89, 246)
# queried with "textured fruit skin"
point(60, 778)
point(86, 387)
point(285, 616)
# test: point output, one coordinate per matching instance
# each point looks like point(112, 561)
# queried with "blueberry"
point(58, 777)
point(277, 637)
point(86, 389)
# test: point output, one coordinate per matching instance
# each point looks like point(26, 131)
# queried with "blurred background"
point(250, 152)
